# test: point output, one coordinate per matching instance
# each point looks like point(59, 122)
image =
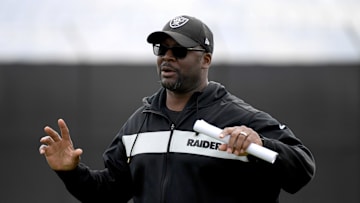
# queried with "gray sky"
point(245, 31)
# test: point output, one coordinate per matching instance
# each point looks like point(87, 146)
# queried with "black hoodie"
point(154, 159)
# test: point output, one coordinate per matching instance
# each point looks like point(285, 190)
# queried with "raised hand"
point(59, 150)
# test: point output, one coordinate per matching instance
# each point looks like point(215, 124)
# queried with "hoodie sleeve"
point(111, 184)
point(295, 163)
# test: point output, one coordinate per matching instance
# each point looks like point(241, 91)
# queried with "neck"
point(175, 101)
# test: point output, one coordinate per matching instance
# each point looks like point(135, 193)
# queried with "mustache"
point(167, 66)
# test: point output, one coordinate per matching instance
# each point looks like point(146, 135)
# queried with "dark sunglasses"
point(178, 52)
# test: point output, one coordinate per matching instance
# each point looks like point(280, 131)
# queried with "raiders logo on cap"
point(178, 22)
point(187, 31)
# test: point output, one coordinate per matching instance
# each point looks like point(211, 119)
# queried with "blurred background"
point(89, 63)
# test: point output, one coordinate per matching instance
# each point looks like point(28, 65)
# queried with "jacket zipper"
point(165, 168)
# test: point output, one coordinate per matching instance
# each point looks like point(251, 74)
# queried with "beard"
point(181, 84)
point(178, 83)
point(171, 85)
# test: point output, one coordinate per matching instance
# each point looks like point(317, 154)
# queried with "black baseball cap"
point(187, 31)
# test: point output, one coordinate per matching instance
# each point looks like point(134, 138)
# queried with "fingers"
point(240, 139)
point(52, 133)
point(47, 140)
point(242, 143)
point(53, 136)
point(64, 129)
point(42, 149)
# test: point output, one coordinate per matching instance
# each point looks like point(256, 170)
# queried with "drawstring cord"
point(136, 137)
point(142, 124)
point(197, 112)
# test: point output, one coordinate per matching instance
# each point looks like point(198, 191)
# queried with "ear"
point(206, 60)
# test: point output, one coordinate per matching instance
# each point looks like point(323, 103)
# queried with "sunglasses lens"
point(162, 50)
point(178, 52)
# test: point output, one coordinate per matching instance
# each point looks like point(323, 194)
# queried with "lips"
point(168, 74)
point(167, 71)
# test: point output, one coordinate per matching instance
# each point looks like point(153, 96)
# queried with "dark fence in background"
point(320, 103)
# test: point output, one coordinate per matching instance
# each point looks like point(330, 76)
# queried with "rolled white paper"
point(205, 128)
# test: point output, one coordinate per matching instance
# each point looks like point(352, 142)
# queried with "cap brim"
point(159, 36)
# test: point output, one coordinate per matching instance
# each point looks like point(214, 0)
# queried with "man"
point(157, 156)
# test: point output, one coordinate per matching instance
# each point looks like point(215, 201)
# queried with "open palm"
point(59, 150)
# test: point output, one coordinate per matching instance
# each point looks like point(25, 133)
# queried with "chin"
point(171, 85)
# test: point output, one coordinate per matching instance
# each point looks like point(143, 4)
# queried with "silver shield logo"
point(178, 22)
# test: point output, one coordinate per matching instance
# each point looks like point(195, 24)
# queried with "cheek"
point(193, 65)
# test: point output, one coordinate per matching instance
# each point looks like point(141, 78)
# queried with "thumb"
point(78, 152)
